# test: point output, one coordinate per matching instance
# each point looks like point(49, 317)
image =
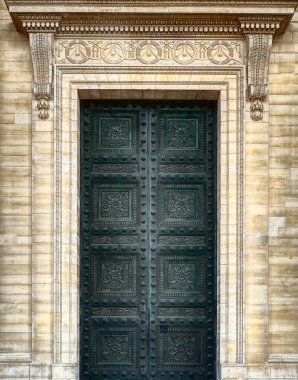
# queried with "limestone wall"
point(283, 193)
point(15, 191)
point(271, 206)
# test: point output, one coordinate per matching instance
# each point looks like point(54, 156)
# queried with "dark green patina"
point(148, 251)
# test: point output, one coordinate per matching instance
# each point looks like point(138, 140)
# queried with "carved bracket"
point(259, 34)
point(42, 58)
point(258, 53)
point(41, 30)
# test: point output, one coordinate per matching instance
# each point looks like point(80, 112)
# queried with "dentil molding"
point(122, 32)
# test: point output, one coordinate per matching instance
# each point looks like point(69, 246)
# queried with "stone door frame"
point(226, 84)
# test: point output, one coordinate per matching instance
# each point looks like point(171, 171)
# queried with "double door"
point(147, 267)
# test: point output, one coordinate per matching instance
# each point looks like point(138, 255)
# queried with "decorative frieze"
point(149, 52)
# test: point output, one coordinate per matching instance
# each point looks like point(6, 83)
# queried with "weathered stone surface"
point(15, 198)
point(257, 185)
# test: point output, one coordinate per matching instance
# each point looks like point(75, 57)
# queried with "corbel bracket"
point(259, 34)
point(41, 37)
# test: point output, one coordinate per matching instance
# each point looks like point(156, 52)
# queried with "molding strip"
point(283, 358)
point(15, 358)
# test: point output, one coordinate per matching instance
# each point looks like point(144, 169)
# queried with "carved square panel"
point(114, 347)
point(182, 133)
point(115, 204)
point(114, 275)
point(181, 204)
point(181, 276)
point(115, 131)
point(181, 347)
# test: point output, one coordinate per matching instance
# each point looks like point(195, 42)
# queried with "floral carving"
point(181, 348)
point(181, 168)
point(114, 168)
point(181, 204)
point(77, 51)
point(184, 53)
point(114, 348)
point(115, 276)
point(115, 133)
point(116, 240)
point(115, 312)
point(112, 53)
point(43, 107)
point(222, 53)
point(148, 52)
point(181, 277)
point(115, 204)
point(181, 134)
point(182, 240)
point(181, 312)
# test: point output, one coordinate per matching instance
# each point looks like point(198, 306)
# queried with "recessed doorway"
point(148, 240)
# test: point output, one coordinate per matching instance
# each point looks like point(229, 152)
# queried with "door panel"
point(147, 241)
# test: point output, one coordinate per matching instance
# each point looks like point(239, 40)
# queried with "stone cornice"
point(151, 24)
point(40, 23)
point(187, 16)
point(114, 3)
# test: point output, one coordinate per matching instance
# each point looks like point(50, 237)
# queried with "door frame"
point(126, 108)
point(86, 82)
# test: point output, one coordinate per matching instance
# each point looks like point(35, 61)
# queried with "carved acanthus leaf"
point(42, 58)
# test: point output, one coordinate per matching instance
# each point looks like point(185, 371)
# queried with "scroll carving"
point(42, 57)
point(258, 53)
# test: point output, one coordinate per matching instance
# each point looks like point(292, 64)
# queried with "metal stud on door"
point(147, 240)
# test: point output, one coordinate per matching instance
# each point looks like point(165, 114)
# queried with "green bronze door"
point(147, 267)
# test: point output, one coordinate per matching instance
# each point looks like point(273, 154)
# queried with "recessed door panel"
point(147, 240)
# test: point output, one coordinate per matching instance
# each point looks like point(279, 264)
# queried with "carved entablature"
point(159, 32)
